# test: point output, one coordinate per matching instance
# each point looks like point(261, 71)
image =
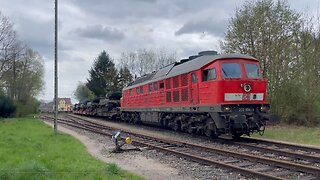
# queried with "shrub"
point(7, 107)
point(26, 108)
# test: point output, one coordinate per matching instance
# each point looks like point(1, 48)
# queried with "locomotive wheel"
point(191, 129)
point(166, 123)
point(236, 135)
point(137, 120)
point(210, 129)
point(177, 126)
point(208, 132)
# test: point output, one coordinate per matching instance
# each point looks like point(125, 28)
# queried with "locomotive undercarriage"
point(212, 124)
point(190, 123)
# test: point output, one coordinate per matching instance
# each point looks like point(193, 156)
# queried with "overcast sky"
point(87, 27)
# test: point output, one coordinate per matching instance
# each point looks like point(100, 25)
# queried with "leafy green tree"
point(125, 77)
point(28, 66)
point(83, 93)
point(103, 76)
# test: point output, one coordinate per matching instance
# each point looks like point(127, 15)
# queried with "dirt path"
point(131, 161)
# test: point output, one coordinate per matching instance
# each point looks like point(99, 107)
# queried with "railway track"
point(243, 162)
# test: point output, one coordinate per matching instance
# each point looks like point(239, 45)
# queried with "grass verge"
point(30, 150)
point(301, 135)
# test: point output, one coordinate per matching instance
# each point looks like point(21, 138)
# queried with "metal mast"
point(55, 66)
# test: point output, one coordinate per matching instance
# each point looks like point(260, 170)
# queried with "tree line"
point(287, 45)
point(21, 73)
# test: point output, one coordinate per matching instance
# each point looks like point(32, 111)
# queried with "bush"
point(294, 105)
point(29, 107)
point(7, 107)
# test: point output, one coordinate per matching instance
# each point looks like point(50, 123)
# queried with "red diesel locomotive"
point(206, 94)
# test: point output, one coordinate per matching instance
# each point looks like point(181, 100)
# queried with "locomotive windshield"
point(231, 70)
point(252, 71)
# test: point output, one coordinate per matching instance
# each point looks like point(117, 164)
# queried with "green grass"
point(301, 135)
point(30, 150)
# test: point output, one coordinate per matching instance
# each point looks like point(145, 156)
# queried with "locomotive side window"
point(138, 90)
point(168, 83)
point(194, 78)
point(130, 92)
point(184, 79)
point(141, 89)
point(176, 82)
point(209, 74)
point(231, 70)
point(150, 87)
point(155, 86)
point(252, 71)
point(161, 85)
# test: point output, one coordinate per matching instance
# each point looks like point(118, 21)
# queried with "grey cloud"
point(209, 26)
point(100, 32)
point(128, 10)
point(37, 34)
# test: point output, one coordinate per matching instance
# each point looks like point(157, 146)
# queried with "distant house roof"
point(67, 100)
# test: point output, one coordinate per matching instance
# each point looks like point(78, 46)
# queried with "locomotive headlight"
point(247, 88)
point(226, 109)
point(264, 108)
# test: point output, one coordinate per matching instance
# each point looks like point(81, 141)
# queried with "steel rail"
point(280, 152)
point(282, 144)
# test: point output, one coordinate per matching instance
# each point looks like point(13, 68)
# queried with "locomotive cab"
point(237, 86)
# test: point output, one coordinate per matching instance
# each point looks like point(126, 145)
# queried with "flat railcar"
point(206, 94)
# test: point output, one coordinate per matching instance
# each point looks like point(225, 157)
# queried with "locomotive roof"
point(185, 67)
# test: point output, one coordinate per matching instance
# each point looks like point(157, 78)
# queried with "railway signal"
point(116, 137)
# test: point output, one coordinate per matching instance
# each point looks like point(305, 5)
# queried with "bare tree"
point(145, 61)
point(7, 43)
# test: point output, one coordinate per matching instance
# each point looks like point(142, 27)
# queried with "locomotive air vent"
point(184, 60)
point(193, 57)
point(205, 53)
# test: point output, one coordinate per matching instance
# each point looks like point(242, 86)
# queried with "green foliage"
point(27, 68)
point(7, 107)
point(30, 150)
point(288, 50)
point(103, 76)
point(302, 135)
point(21, 69)
point(27, 107)
point(125, 77)
point(83, 93)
